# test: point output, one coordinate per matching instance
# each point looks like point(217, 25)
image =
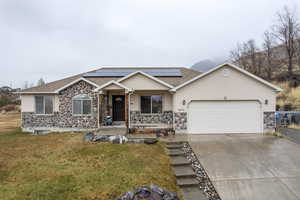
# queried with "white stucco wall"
point(141, 82)
point(216, 86)
point(28, 103)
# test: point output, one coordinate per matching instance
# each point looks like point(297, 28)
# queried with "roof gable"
point(147, 76)
point(112, 83)
point(74, 82)
point(234, 67)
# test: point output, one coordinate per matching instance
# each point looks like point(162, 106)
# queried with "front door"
point(118, 102)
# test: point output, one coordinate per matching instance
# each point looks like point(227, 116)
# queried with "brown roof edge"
point(54, 85)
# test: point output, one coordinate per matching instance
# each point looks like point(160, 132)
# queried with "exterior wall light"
point(266, 101)
point(183, 102)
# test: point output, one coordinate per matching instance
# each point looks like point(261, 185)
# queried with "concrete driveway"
point(250, 166)
point(292, 134)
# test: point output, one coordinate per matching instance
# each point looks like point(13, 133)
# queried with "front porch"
point(136, 111)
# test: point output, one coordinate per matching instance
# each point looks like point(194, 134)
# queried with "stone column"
point(101, 99)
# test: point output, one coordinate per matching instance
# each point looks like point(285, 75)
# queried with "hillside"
point(289, 98)
point(207, 64)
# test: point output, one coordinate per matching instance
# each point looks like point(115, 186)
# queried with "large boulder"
point(149, 193)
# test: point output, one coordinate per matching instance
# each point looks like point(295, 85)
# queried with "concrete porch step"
point(193, 193)
point(174, 146)
point(187, 181)
point(179, 161)
point(112, 131)
point(175, 152)
point(183, 171)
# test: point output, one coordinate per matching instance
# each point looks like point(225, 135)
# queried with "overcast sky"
point(53, 39)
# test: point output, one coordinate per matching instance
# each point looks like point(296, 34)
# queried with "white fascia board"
point(76, 81)
point(147, 75)
point(232, 66)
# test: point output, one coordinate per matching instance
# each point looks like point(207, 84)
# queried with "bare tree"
point(298, 52)
point(239, 57)
point(236, 54)
point(268, 46)
point(40, 82)
point(252, 54)
point(286, 31)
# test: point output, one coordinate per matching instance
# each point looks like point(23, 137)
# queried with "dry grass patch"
point(62, 166)
point(9, 121)
point(294, 126)
point(289, 95)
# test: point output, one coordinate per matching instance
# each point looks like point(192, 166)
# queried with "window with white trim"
point(151, 104)
point(82, 105)
point(43, 105)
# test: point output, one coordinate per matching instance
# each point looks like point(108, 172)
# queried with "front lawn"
point(62, 166)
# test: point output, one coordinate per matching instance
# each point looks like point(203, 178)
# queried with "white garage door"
point(208, 117)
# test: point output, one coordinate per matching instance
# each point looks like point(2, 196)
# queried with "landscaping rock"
point(88, 137)
point(118, 139)
point(150, 141)
point(205, 183)
point(101, 138)
point(149, 193)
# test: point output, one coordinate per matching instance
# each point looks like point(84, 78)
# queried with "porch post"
point(100, 104)
point(126, 110)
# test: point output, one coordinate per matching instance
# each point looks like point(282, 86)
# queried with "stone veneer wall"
point(136, 117)
point(64, 118)
point(104, 111)
point(180, 120)
point(269, 121)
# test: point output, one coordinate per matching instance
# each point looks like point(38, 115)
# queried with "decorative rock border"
point(205, 183)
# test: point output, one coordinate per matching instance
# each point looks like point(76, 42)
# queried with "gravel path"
point(205, 184)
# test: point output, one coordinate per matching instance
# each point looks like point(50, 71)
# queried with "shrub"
point(4, 101)
point(10, 107)
point(288, 107)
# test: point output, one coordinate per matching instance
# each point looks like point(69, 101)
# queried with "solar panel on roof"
point(124, 72)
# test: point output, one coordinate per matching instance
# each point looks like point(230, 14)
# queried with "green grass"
point(62, 166)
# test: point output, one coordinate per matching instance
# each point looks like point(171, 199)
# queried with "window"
point(44, 104)
point(151, 104)
point(82, 105)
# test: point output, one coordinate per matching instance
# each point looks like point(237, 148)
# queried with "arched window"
point(82, 105)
